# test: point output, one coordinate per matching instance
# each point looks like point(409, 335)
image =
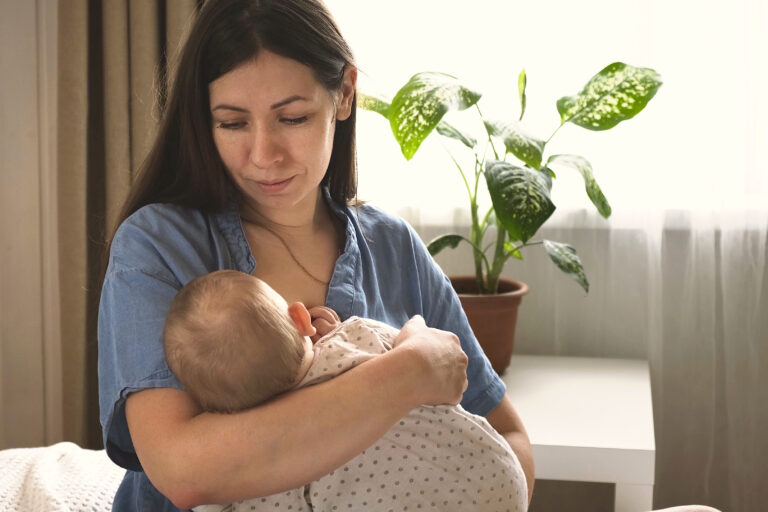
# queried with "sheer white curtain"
point(678, 273)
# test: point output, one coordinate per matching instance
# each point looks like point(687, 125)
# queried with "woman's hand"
point(324, 320)
point(443, 361)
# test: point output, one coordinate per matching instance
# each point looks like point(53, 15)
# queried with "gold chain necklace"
point(290, 253)
point(293, 257)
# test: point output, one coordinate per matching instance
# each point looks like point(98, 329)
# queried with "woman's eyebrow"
point(229, 107)
point(287, 101)
point(274, 106)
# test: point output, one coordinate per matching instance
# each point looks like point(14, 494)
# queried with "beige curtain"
point(112, 61)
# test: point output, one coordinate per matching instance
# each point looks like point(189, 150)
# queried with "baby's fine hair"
point(229, 344)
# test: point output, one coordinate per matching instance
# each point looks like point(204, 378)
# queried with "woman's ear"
point(301, 319)
point(347, 93)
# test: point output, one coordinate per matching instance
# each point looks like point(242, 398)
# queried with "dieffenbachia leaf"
point(566, 259)
point(593, 189)
point(520, 198)
point(518, 141)
point(381, 106)
point(420, 104)
point(615, 94)
point(511, 250)
point(547, 174)
point(446, 130)
point(443, 241)
point(522, 80)
point(373, 103)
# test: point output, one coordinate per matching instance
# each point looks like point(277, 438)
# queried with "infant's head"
point(233, 343)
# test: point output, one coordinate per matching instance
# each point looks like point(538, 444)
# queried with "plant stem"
point(484, 224)
point(498, 259)
point(463, 177)
point(553, 133)
point(476, 234)
point(476, 237)
point(490, 140)
point(524, 245)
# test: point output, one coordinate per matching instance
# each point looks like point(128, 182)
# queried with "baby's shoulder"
point(370, 329)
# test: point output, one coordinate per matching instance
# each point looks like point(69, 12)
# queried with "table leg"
point(633, 498)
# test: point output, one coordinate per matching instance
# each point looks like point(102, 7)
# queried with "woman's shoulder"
point(163, 217)
point(381, 224)
point(158, 234)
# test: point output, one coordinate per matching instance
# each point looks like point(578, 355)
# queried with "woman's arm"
point(505, 421)
point(195, 458)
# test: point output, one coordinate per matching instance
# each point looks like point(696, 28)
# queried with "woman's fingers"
point(412, 327)
point(443, 360)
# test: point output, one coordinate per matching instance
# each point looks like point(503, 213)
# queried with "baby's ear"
point(301, 319)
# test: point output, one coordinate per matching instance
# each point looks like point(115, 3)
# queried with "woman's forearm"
point(507, 422)
point(196, 458)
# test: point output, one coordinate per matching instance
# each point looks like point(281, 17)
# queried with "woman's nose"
point(265, 149)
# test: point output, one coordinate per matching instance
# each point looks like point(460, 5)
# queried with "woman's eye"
point(231, 125)
point(294, 120)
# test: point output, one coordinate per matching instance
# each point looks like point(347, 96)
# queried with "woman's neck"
point(304, 219)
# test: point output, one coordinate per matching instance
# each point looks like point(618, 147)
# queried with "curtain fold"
point(112, 61)
point(72, 161)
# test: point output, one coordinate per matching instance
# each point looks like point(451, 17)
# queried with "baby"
point(234, 342)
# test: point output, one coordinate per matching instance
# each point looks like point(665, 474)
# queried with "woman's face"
point(273, 125)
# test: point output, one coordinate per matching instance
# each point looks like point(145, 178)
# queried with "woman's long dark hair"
point(183, 166)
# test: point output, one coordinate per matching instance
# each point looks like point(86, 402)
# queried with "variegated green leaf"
point(420, 104)
point(446, 130)
point(511, 250)
point(518, 141)
point(373, 103)
point(522, 80)
point(520, 198)
point(593, 189)
point(548, 174)
point(443, 241)
point(566, 259)
point(381, 106)
point(615, 94)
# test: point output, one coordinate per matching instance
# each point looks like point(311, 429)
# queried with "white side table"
point(589, 420)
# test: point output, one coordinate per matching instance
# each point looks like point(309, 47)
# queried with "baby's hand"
point(324, 320)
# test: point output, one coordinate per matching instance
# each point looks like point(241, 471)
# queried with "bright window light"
point(699, 144)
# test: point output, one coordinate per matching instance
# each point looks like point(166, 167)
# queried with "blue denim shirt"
point(384, 273)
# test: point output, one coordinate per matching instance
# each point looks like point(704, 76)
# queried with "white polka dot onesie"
point(439, 458)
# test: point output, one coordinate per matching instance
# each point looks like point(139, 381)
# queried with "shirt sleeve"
point(132, 314)
point(138, 288)
point(442, 310)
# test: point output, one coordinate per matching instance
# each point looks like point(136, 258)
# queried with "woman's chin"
point(290, 199)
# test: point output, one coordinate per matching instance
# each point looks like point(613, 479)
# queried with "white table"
point(589, 420)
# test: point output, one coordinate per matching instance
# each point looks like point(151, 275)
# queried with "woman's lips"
point(272, 187)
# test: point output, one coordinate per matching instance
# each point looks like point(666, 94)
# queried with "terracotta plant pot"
point(492, 317)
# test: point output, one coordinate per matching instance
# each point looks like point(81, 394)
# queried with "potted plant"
point(518, 179)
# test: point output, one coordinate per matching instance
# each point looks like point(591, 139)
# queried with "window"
point(696, 146)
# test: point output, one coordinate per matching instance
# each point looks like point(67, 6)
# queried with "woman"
point(253, 169)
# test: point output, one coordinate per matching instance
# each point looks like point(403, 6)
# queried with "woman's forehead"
point(268, 81)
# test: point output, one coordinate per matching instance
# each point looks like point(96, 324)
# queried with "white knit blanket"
point(59, 478)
